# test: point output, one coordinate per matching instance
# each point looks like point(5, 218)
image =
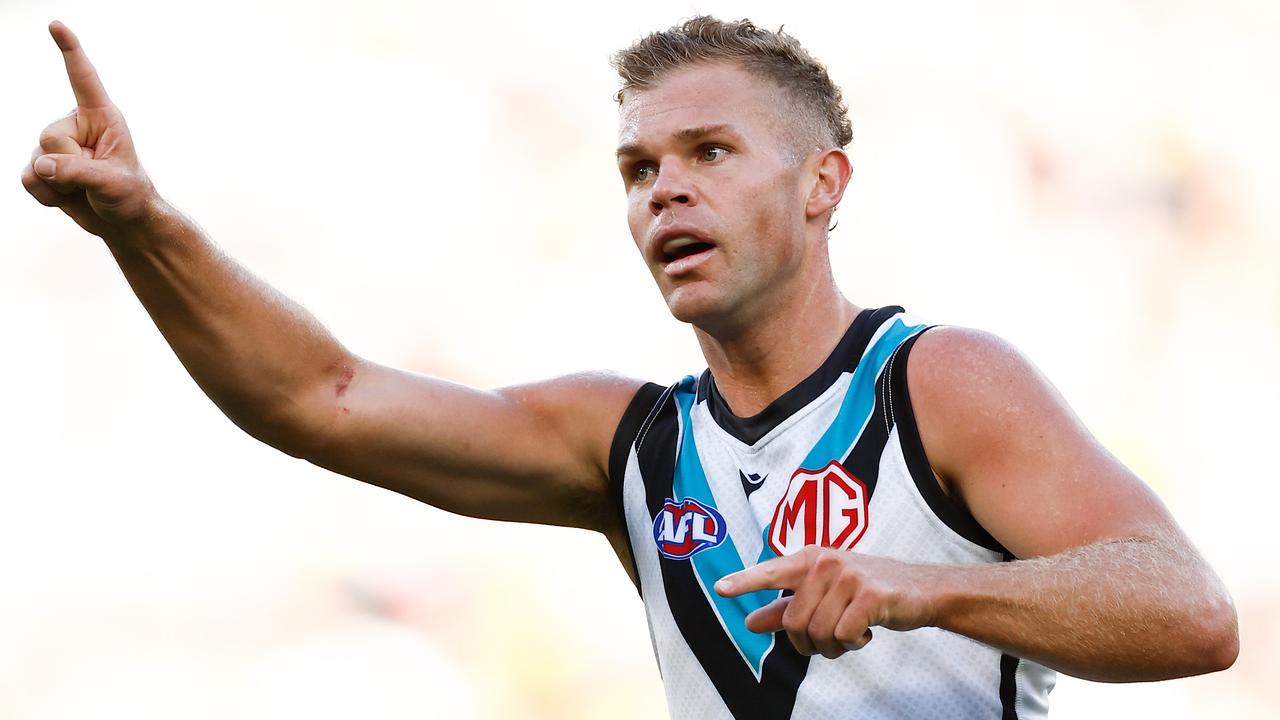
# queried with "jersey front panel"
point(837, 462)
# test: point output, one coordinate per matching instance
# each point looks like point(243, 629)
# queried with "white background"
point(1095, 181)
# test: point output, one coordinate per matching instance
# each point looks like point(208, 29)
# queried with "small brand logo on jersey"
point(751, 482)
point(687, 527)
point(825, 507)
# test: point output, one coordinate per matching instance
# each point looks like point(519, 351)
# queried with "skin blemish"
point(344, 382)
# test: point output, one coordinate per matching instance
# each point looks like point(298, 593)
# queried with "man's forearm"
point(1117, 611)
point(264, 360)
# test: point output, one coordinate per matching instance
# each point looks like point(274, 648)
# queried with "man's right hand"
point(531, 453)
point(85, 163)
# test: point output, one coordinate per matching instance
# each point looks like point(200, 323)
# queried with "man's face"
point(715, 207)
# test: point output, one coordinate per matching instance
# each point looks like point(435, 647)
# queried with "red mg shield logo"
point(826, 507)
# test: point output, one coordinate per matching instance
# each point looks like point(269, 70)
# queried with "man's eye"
point(713, 153)
point(643, 173)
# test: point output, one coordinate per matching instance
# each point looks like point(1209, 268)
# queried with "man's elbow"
point(1216, 643)
point(1222, 645)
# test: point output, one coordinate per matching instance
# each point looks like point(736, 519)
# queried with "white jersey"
point(835, 461)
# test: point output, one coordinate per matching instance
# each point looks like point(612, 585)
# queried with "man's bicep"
point(1009, 448)
point(529, 453)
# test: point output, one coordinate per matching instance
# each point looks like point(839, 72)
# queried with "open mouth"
point(683, 246)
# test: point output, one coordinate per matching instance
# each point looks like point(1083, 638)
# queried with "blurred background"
point(1096, 181)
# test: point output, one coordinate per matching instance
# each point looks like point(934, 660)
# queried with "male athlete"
point(835, 469)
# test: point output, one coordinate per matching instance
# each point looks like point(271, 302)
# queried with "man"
point(823, 522)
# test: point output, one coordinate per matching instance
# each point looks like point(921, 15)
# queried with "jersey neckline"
point(843, 358)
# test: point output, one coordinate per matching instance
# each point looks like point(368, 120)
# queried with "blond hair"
point(822, 118)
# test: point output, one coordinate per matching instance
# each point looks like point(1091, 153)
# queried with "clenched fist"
point(85, 163)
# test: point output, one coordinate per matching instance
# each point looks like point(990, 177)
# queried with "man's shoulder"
point(583, 398)
point(974, 395)
point(955, 357)
point(585, 407)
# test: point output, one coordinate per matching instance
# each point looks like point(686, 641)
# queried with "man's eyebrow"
point(627, 149)
point(697, 133)
point(686, 134)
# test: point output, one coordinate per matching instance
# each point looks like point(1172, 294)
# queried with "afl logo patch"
point(826, 507)
point(687, 527)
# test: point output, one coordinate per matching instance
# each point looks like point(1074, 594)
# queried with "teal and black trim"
point(856, 437)
point(844, 358)
point(690, 481)
point(768, 693)
point(757, 676)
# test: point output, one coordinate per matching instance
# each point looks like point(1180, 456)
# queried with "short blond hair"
point(776, 56)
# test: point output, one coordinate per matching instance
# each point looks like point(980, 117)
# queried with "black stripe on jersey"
point(948, 510)
point(774, 695)
point(844, 358)
point(1008, 687)
point(642, 406)
point(656, 451)
point(863, 459)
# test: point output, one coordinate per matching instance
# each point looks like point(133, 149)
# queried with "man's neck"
point(755, 366)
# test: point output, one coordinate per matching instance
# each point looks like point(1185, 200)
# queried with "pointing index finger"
point(780, 573)
point(84, 79)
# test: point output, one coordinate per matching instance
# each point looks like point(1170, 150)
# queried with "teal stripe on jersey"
point(714, 563)
point(859, 399)
point(855, 411)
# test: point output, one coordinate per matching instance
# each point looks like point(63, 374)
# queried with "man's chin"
point(698, 309)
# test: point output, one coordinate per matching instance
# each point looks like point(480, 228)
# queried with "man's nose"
point(672, 186)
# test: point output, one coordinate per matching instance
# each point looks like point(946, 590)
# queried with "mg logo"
point(826, 507)
point(687, 527)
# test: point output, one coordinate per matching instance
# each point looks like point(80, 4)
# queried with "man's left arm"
point(1106, 586)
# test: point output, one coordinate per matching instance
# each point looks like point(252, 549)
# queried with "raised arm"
point(535, 453)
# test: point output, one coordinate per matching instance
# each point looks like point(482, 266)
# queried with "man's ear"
point(831, 172)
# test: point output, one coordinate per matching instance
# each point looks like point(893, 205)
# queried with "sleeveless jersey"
point(835, 461)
